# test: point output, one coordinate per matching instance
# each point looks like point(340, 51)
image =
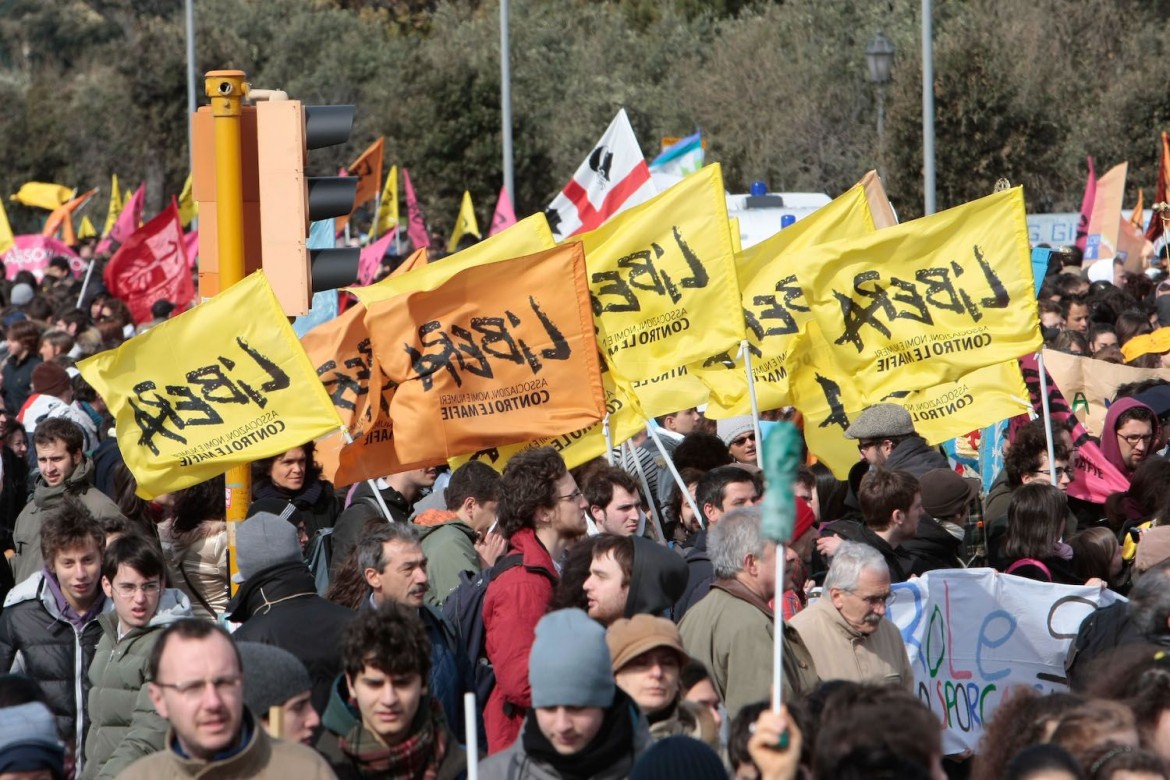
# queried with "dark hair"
point(622, 550)
point(692, 673)
point(347, 585)
point(1093, 552)
point(1068, 284)
point(599, 487)
point(69, 524)
point(1068, 301)
point(136, 551)
point(1149, 601)
point(1083, 729)
point(1022, 718)
point(701, 450)
point(1111, 757)
point(1098, 329)
point(1139, 676)
point(529, 483)
point(119, 311)
point(59, 339)
point(473, 479)
point(161, 309)
point(1028, 451)
point(711, 488)
point(1130, 389)
point(391, 639)
point(846, 738)
point(187, 628)
point(60, 429)
point(831, 492)
point(741, 732)
point(1036, 517)
point(73, 316)
point(1131, 323)
point(1140, 413)
point(1038, 758)
point(1148, 494)
point(16, 689)
point(884, 491)
point(1069, 341)
point(674, 503)
point(262, 469)
point(26, 333)
point(197, 503)
point(1047, 306)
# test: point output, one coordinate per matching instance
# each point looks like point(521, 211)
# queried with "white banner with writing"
point(973, 634)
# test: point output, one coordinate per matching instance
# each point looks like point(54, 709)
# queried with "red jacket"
point(513, 605)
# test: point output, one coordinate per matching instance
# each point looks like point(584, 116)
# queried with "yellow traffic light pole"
point(226, 89)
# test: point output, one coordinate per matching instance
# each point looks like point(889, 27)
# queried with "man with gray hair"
point(846, 629)
point(731, 629)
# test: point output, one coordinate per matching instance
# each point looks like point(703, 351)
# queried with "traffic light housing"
point(279, 200)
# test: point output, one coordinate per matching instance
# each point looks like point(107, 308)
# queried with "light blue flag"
point(324, 308)
point(682, 157)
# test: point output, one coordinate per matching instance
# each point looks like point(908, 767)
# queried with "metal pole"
point(928, 207)
point(226, 89)
point(506, 102)
point(881, 130)
point(191, 79)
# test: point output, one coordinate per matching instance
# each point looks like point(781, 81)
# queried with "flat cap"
point(880, 421)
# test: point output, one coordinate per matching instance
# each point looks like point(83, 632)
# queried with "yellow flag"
point(668, 392)
point(188, 206)
point(43, 196)
point(7, 240)
point(526, 237)
point(465, 224)
point(927, 301)
point(211, 389)
point(663, 282)
point(388, 208)
point(829, 402)
point(115, 208)
point(772, 278)
point(86, 230)
point(626, 419)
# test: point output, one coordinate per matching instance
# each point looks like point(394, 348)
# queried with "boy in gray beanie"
point(580, 724)
point(275, 678)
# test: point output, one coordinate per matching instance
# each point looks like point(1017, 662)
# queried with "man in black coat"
point(278, 603)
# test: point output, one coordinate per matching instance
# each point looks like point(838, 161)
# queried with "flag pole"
point(778, 633)
point(84, 284)
point(745, 349)
point(377, 210)
point(678, 480)
point(372, 483)
point(471, 736)
point(608, 439)
point(1047, 416)
point(650, 502)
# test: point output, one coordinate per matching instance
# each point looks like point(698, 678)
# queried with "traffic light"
point(290, 200)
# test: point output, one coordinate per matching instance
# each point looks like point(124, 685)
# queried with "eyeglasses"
point(1133, 438)
point(1067, 471)
point(128, 589)
point(864, 445)
point(576, 494)
point(193, 689)
point(880, 600)
point(742, 440)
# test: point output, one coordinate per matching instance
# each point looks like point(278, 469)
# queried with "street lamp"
point(879, 59)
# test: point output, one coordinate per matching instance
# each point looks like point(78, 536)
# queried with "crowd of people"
point(609, 621)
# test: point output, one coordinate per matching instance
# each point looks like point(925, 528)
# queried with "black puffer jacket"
point(280, 606)
point(36, 640)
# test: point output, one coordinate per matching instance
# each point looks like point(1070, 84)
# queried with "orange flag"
point(368, 169)
point(1136, 216)
point(62, 218)
point(498, 354)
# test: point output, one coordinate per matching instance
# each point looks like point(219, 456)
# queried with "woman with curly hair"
point(295, 477)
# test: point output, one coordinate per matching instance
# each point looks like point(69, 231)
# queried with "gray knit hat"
point(880, 421)
point(21, 295)
point(264, 540)
point(272, 676)
point(569, 664)
point(29, 740)
point(733, 427)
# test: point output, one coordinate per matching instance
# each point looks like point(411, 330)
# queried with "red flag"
point(127, 222)
point(505, 215)
point(371, 258)
point(416, 228)
point(151, 265)
point(1154, 229)
point(191, 243)
point(1087, 207)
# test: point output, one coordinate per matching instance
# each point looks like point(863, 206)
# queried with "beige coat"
point(197, 565)
point(843, 653)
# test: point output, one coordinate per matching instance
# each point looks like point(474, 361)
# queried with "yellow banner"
point(662, 278)
point(495, 355)
point(211, 389)
point(115, 208)
point(43, 195)
point(188, 206)
point(7, 239)
point(84, 230)
point(388, 208)
point(465, 223)
point(928, 301)
point(774, 308)
point(526, 237)
point(829, 402)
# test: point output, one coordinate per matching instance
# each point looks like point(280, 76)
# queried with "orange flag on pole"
point(475, 370)
point(62, 218)
point(368, 169)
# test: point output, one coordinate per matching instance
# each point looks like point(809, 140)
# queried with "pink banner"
point(372, 256)
point(191, 241)
point(1087, 207)
point(416, 228)
point(127, 223)
point(33, 253)
point(505, 215)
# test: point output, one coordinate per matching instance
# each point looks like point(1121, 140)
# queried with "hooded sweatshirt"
point(449, 544)
point(658, 579)
point(1109, 446)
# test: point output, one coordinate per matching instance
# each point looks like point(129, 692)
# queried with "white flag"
point(613, 178)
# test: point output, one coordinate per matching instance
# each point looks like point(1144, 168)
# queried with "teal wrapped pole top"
point(782, 458)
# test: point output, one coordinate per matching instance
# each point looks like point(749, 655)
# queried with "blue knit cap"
point(569, 665)
point(29, 741)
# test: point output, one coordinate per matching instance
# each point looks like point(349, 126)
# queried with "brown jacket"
point(263, 758)
point(843, 653)
point(731, 632)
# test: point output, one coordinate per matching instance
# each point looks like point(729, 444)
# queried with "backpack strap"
point(1029, 562)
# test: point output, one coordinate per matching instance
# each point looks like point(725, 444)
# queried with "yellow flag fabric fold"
point(475, 370)
point(115, 208)
point(388, 208)
point(43, 195)
point(928, 301)
point(85, 230)
point(465, 223)
point(188, 206)
point(211, 389)
point(663, 282)
point(7, 239)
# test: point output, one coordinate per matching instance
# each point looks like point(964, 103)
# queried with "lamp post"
point(879, 59)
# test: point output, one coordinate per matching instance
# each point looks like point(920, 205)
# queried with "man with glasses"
point(1128, 435)
point(846, 629)
point(541, 513)
point(197, 686)
point(123, 725)
point(886, 437)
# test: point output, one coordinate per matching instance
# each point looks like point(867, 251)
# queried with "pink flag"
point(191, 241)
point(505, 215)
point(152, 265)
point(33, 253)
point(416, 229)
point(371, 258)
point(1087, 207)
point(127, 223)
